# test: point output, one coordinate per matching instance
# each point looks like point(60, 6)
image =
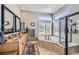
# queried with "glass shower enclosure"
point(69, 33)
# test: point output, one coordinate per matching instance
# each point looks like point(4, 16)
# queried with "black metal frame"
point(2, 24)
point(66, 36)
point(52, 24)
point(60, 31)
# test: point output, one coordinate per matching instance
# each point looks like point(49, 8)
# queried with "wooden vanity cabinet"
point(9, 48)
point(22, 44)
point(14, 46)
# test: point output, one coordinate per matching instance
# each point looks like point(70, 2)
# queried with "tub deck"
point(55, 46)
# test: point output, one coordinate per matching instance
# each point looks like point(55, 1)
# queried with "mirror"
point(18, 22)
point(8, 21)
point(23, 26)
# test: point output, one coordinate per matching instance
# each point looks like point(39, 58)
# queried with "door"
point(73, 34)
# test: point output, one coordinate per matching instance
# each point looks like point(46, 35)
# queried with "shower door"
point(73, 34)
point(62, 31)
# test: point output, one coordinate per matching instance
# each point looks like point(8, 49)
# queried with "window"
point(56, 27)
point(48, 28)
point(45, 23)
point(44, 18)
point(41, 28)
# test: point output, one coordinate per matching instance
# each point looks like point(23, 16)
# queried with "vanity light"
point(6, 23)
point(32, 24)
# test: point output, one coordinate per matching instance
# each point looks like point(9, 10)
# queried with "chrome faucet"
point(47, 37)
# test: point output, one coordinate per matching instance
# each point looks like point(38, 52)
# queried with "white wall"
point(71, 8)
point(29, 17)
point(13, 8)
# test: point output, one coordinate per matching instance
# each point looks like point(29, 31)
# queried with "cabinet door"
point(20, 48)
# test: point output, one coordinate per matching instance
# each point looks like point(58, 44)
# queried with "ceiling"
point(43, 8)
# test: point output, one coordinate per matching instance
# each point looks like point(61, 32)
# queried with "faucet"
point(47, 37)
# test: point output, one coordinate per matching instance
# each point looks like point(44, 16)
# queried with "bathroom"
point(57, 32)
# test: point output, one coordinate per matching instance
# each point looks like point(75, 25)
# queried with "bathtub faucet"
point(47, 37)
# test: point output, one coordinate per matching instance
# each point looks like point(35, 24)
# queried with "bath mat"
point(31, 49)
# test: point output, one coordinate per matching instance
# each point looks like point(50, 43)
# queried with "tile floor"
point(44, 51)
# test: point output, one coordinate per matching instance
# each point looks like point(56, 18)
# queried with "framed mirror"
point(18, 24)
point(11, 21)
point(8, 21)
point(22, 26)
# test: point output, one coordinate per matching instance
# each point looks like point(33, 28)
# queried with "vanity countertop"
point(19, 38)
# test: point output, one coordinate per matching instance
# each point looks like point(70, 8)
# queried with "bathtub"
point(54, 45)
point(55, 39)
